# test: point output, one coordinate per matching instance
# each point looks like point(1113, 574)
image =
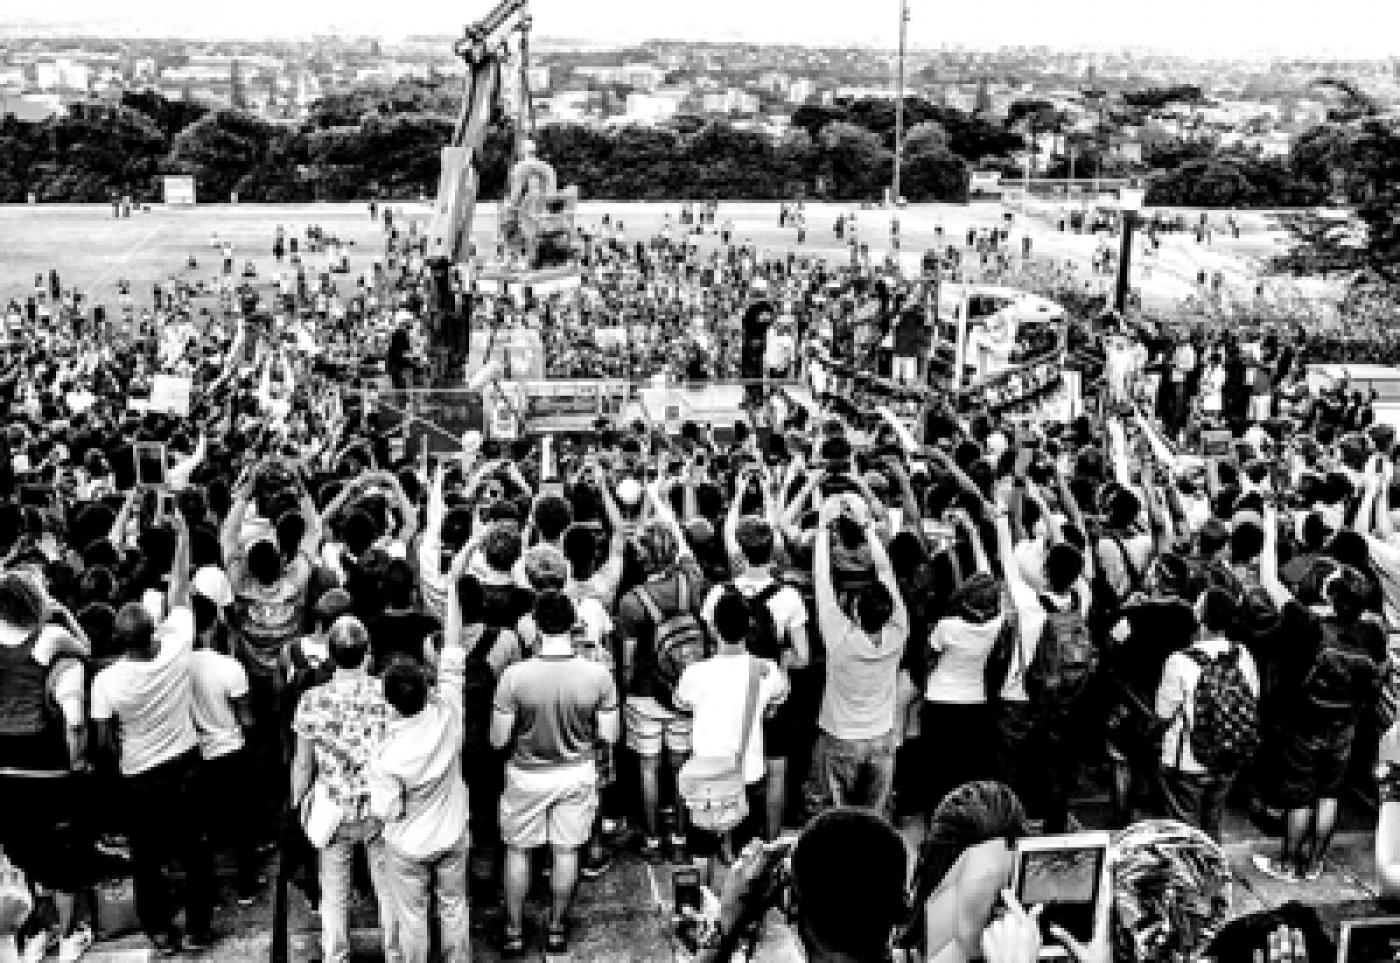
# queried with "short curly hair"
point(657, 547)
point(546, 568)
point(24, 602)
point(501, 547)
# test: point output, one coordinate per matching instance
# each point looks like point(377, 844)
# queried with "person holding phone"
point(829, 920)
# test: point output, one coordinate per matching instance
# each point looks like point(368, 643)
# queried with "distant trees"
point(221, 149)
point(1232, 180)
point(388, 139)
point(931, 171)
point(1360, 161)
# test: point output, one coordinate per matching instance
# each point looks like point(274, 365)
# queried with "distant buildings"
point(1256, 107)
point(731, 101)
point(31, 108)
point(654, 108)
point(644, 77)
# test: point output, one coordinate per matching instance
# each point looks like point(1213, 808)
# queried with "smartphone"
point(1068, 877)
point(36, 496)
point(685, 884)
point(150, 464)
point(166, 507)
point(1024, 457)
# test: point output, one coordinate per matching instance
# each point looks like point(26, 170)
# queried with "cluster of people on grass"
point(270, 624)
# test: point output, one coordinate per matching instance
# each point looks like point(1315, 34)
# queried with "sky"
point(1202, 27)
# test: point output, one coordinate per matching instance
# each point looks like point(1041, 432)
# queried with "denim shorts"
point(852, 772)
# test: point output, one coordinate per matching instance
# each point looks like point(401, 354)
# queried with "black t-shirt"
point(399, 634)
point(1156, 627)
point(398, 348)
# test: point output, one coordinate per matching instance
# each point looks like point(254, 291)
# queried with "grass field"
point(93, 251)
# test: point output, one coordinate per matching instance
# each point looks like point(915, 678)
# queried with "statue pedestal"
point(498, 278)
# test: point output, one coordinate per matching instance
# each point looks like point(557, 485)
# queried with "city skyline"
point(1357, 28)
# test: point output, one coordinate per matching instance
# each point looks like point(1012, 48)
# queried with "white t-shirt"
point(716, 691)
point(216, 680)
point(962, 647)
point(1212, 387)
point(151, 701)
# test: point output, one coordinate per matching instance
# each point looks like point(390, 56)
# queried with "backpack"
point(478, 695)
point(764, 641)
point(1105, 602)
point(1342, 681)
point(996, 671)
point(1225, 723)
point(678, 640)
point(1066, 657)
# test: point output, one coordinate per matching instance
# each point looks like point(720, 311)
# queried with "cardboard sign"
point(170, 394)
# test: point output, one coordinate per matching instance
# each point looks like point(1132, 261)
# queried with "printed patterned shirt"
point(345, 720)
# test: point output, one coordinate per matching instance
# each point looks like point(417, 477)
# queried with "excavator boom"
point(483, 50)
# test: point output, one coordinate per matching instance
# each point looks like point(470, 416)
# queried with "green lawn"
point(93, 250)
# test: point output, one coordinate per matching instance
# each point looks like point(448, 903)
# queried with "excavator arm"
point(484, 51)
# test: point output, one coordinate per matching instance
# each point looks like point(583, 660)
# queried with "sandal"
point(557, 940)
point(512, 944)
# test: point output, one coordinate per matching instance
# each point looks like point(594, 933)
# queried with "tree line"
point(386, 142)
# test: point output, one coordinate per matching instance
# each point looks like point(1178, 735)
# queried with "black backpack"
point(678, 640)
point(1066, 660)
point(1342, 681)
point(1225, 721)
point(1106, 603)
point(478, 695)
point(764, 641)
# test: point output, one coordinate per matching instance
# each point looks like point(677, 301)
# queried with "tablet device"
point(1369, 940)
point(1068, 877)
point(36, 496)
point(150, 464)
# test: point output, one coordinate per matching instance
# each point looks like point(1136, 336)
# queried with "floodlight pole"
point(899, 101)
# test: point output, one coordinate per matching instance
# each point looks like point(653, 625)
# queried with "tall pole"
point(1125, 263)
point(899, 100)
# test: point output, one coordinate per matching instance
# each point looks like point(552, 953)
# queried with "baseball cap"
point(211, 582)
point(333, 604)
point(699, 531)
point(629, 491)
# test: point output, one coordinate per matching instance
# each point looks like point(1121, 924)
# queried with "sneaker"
point(115, 846)
point(1315, 872)
point(1273, 869)
point(201, 941)
point(651, 849)
point(676, 849)
point(556, 942)
point(167, 944)
point(75, 944)
point(35, 948)
point(596, 864)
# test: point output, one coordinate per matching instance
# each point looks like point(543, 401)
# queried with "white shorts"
point(549, 806)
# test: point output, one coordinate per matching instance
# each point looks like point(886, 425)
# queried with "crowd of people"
point(267, 624)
